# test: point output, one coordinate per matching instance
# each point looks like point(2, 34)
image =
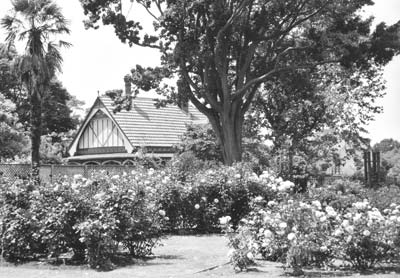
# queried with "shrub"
point(302, 231)
point(93, 218)
point(197, 203)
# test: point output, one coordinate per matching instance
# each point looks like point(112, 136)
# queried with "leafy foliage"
point(224, 52)
point(12, 138)
point(201, 141)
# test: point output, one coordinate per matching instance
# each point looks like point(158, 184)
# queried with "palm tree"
point(36, 22)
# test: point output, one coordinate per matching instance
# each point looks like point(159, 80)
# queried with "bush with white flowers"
point(204, 196)
point(89, 218)
point(302, 231)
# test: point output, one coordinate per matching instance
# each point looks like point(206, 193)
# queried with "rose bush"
point(300, 230)
point(91, 218)
point(208, 194)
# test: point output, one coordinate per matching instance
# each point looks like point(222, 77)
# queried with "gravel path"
point(180, 256)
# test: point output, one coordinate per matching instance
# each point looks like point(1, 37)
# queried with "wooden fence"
point(48, 173)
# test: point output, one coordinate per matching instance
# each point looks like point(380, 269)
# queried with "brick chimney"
point(183, 104)
point(128, 87)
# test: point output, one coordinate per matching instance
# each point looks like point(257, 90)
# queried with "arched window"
point(111, 162)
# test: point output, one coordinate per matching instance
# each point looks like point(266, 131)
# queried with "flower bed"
point(303, 231)
point(91, 219)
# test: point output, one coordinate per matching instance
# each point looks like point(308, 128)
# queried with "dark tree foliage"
point(57, 114)
point(224, 52)
point(201, 141)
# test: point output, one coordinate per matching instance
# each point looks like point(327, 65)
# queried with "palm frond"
point(42, 58)
point(53, 57)
point(65, 44)
point(22, 5)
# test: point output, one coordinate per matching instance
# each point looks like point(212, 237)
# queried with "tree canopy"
point(224, 53)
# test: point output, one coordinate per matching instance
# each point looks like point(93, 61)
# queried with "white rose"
point(282, 225)
point(115, 177)
point(366, 233)
point(345, 223)
point(323, 248)
point(330, 211)
point(224, 220)
point(196, 206)
point(316, 204)
point(337, 232)
point(349, 229)
point(268, 234)
point(258, 198)
point(291, 236)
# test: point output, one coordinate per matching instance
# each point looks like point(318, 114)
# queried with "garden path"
point(180, 256)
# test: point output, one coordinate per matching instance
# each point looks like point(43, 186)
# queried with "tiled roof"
point(146, 125)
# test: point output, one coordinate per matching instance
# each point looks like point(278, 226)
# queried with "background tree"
point(222, 52)
point(9, 82)
point(310, 113)
point(35, 23)
point(390, 157)
point(387, 145)
point(58, 107)
point(12, 137)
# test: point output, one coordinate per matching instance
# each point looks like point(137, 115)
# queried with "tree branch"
point(257, 80)
point(148, 10)
point(198, 91)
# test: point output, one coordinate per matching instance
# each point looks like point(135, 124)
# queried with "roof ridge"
point(147, 98)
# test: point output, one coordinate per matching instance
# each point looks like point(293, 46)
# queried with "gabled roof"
point(145, 125)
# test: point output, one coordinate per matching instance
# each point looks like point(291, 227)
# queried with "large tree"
point(223, 52)
point(36, 23)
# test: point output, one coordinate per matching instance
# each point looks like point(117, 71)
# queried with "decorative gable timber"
point(100, 133)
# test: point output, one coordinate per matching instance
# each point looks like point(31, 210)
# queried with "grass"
point(180, 256)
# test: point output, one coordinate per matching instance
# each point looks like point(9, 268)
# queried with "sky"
point(98, 61)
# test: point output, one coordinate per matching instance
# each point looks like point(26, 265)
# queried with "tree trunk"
point(230, 137)
point(36, 132)
point(231, 145)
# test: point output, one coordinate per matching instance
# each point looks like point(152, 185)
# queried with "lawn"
point(179, 256)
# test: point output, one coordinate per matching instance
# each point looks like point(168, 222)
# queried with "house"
point(108, 138)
